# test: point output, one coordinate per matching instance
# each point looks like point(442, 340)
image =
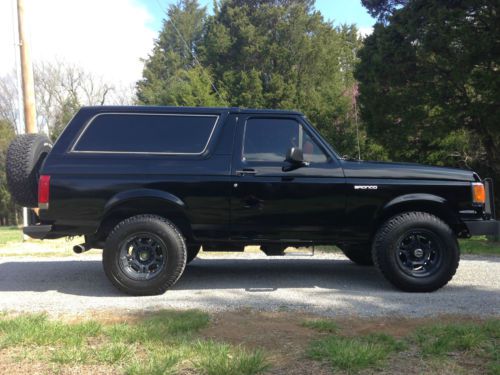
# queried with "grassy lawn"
point(10, 234)
point(479, 245)
point(163, 343)
point(437, 348)
point(176, 342)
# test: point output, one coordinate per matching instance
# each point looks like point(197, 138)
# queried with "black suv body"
point(224, 178)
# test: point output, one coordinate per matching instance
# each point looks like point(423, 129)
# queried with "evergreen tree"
point(258, 53)
point(7, 208)
point(429, 83)
point(171, 74)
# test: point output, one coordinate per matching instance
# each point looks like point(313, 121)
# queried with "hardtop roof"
point(160, 109)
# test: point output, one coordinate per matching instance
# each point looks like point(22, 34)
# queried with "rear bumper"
point(483, 227)
point(38, 232)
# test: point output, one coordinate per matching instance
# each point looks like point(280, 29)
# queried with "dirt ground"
point(281, 335)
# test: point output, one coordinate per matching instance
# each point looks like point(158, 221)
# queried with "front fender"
point(431, 203)
point(402, 199)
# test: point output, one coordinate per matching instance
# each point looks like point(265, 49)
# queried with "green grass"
point(10, 234)
point(480, 340)
point(437, 346)
point(321, 325)
point(38, 330)
point(169, 342)
point(352, 354)
point(157, 344)
point(157, 364)
point(222, 359)
point(479, 245)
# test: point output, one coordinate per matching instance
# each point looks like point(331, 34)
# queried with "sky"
point(109, 37)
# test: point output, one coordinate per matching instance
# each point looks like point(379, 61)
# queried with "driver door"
point(268, 203)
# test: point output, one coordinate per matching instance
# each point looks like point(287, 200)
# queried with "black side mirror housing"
point(294, 159)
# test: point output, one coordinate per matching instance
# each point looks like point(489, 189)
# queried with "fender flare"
point(435, 204)
point(130, 195)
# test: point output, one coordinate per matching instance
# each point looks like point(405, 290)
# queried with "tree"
point(282, 54)
point(7, 208)
point(8, 99)
point(429, 84)
point(382, 9)
point(258, 53)
point(60, 90)
point(171, 73)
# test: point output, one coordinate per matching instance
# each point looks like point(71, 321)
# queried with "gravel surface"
point(325, 284)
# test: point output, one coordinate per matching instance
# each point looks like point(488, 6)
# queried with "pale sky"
point(109, 37)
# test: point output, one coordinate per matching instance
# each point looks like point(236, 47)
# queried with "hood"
point(370, 169)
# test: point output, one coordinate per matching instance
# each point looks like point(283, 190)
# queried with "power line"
point(191, 52)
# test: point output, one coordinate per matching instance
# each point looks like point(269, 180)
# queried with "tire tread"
point(381, 261)
point(180, 266)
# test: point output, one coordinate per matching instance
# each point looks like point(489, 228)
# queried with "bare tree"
point(9, 99)
point(60, 89)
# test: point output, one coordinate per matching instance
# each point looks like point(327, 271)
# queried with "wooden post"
point(28, 84)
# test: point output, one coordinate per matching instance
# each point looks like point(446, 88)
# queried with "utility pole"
point(26, 72)
point(28, 85)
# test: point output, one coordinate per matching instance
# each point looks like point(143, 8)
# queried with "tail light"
point(478, 193)
point(43, 191)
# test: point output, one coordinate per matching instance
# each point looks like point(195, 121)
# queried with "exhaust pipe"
point(78, 249)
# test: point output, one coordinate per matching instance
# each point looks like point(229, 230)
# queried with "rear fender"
point(144, 201)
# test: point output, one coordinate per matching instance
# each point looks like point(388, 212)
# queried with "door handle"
point(246, 172)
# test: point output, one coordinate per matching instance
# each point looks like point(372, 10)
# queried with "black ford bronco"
point(151, 185)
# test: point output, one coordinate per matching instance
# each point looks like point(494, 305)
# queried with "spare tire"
point(25, 156)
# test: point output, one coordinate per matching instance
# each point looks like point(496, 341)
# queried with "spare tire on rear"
point(25, 156)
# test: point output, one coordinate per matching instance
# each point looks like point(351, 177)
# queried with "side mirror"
point(294, 156)
point(295, 159)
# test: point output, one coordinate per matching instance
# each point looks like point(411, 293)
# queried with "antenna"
point(357, 127)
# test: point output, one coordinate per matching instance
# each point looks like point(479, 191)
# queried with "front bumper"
point(38, 232)
point(483, 227)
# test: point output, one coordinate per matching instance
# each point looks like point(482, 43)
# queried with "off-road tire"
point(192, 252)
point(360, 254)
point(385, 251)
point(25, 156)
point(175, 255)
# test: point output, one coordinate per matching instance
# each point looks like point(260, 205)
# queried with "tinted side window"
point(270, 139)
point(147, 133)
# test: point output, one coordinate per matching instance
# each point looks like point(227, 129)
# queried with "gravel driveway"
point(326, 284)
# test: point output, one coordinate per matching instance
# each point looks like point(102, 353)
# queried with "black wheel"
point(360, 254)
point(25, 156)
point(144, 255)
point(416, 252)
point(273, 250)
point(192, 252)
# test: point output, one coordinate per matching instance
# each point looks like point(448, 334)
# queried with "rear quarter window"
point(147, 133)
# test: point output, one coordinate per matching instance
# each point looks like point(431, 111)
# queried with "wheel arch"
point(432, 204)
point(143, 201)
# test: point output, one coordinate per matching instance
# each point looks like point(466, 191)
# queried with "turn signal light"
point(478, 193)
point(43, 191)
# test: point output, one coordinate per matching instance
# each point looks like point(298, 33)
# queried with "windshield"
point(320, 138)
